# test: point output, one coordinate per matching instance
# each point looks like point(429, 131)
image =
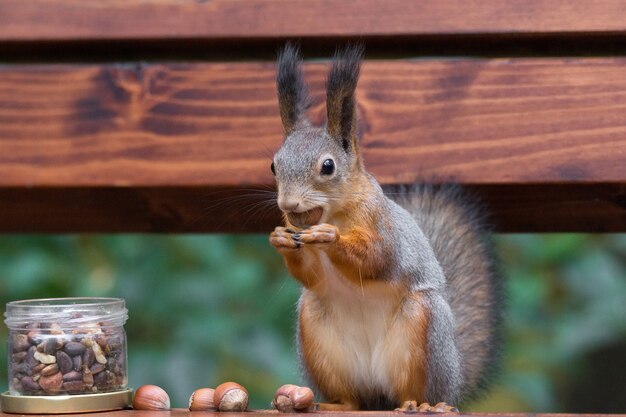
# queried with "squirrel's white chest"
point(357, 330)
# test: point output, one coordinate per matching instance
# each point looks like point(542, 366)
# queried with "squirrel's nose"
point(287, 205)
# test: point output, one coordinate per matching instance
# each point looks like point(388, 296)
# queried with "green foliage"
point(566, 300)
point(206, 309)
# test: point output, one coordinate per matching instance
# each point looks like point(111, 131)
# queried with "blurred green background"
point(206, 309)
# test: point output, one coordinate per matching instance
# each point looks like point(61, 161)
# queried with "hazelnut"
point(202, 400)
point(290, 398)
point(230, 396)
point(151, 397)
point(282, 402)
point(302, 398)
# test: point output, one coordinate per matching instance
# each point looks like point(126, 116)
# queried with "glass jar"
point(66, 346)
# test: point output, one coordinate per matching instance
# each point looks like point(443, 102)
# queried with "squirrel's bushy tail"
point(460, 238)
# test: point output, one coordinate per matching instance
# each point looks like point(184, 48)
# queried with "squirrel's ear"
point(340, 102)
point(293, 98)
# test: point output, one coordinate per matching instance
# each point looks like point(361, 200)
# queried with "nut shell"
point(202, 400)
point(151, 397)
point(285, 390)
point(282, 402)
point(302, 398)
point(230, 396)
point(290, 398)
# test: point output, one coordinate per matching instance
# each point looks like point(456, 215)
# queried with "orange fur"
point(406, 355)
point(411, 381)
point(323, 370)
point(358, 256)
point(364, 330)
point(302, 268)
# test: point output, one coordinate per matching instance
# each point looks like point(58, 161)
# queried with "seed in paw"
point(202, 400)
point(231, 396)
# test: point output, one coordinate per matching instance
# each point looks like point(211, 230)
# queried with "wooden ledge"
point(265, 413)
point(224, 20)
point(187, 147)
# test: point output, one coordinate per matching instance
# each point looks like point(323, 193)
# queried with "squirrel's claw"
point(283, 239)
point(412, 407)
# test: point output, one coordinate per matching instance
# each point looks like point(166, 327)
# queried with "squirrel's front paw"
point(319, 233)
point(283, 238)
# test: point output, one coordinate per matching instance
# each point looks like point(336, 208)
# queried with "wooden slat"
point(265, 413)
point(37, 20)
point(161, 147)
point(514, 208)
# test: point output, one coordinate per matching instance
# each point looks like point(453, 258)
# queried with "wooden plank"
point(513, 208)
point(155, 147)
point(46, 20)
point(264, 413)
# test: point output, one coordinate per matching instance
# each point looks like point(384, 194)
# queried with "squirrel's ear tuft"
point(293, 98)
point(340, 101)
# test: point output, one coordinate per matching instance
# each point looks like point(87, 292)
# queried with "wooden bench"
point(129, 116)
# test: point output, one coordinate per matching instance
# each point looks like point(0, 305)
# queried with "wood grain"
point(45, 20)
point(265, 413)
point(154, 147)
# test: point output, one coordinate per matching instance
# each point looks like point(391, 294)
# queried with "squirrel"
point(401, 296)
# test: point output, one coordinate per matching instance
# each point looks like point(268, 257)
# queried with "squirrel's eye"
point(273, 169)
point(328, 167)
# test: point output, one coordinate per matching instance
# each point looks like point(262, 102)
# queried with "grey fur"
point(456, 228)
point(435, 237)
point(445, 379)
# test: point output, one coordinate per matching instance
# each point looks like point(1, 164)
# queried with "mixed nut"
point(292, 399)
point(45, 359)
point(152, 398)
point(228, 396)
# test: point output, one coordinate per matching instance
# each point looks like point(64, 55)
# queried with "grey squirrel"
point(400, 304)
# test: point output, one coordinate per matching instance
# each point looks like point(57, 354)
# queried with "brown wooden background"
point(162, 116)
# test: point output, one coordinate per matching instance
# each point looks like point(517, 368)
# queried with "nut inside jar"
point(74, 355)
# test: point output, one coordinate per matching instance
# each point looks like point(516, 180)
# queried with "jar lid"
point(64, 404)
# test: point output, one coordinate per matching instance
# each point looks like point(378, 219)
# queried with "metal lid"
point(64, 404)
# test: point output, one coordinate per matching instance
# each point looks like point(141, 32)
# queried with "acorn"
point(151, 397)
point(202, 400)
point(230, 396)
point(291, 398)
